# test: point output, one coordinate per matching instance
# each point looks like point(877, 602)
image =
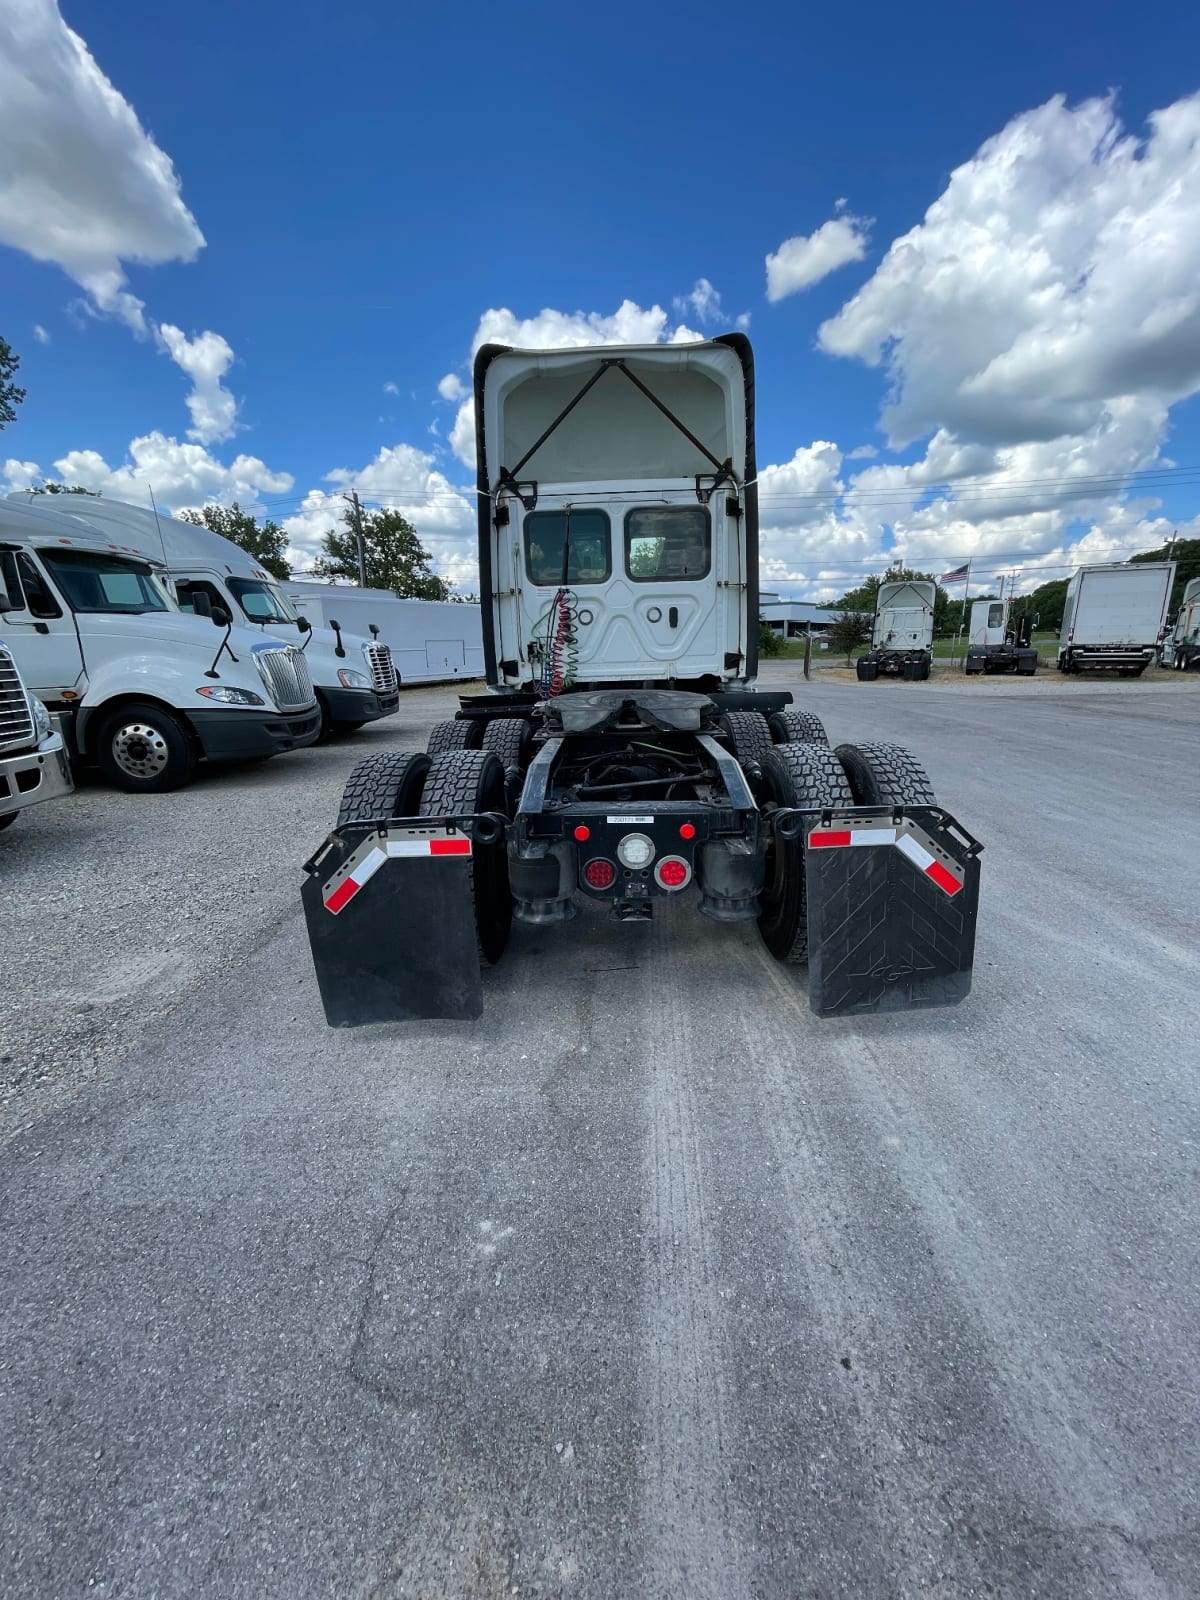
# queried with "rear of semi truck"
point(623, 753)
point(902, 633)
point(1114, 617)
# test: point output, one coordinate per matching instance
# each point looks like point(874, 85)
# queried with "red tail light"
point(599, 874)
point(673, 872)
point(687, 830)
point(583, 833)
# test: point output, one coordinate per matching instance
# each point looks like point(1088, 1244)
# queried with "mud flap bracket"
point(892, 895)
point(391, 922)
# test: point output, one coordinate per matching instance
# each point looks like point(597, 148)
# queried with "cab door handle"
point(673, 616)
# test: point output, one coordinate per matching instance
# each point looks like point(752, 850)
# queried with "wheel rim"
point(140, 751)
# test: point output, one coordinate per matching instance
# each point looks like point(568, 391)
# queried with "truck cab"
point(993, 645)
point(1180, 648)
point(141, 688)
point(902, 633)
point(353, 678)
point(33, 759)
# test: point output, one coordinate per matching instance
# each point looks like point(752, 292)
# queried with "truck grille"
point(379, 665)
point(285, 672)
point(16, 719)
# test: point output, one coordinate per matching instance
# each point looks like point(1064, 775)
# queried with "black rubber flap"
point(403, 947)
point(883, 935)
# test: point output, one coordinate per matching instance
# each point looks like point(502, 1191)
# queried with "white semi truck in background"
point(431, 641)
point(354, 678)
point(902, 635)
point(140, 688)
point(34, 765)
point(995, 645)
point(623, 753)
point(1114, 617)
point(1181, 647)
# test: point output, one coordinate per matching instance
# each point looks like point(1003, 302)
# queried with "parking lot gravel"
point(647, 1283)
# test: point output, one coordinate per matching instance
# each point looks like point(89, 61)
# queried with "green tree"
point(267, 544)
point(1045, 603)
point(11, 394)
point(769, 642)
point(850, 630)
point(1186, 555)
point(395, 557)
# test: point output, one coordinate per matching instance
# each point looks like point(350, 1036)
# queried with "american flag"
point(959, 575)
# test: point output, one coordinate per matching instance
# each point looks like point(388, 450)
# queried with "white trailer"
point(902, 637)
point(431, 641)
point(1181, 647)
point(1114, 617)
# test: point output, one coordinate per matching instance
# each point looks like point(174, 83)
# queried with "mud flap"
point(892, 903)
point(391, 924)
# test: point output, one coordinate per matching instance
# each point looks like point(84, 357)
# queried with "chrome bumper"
point(35, 775)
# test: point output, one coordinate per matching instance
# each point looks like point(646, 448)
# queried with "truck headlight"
point(41, 718)
point(232, 697)
point(349, 679)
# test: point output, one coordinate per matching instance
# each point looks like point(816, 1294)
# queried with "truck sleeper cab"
point(141, 689)
point(354, 678)
point(624, 754)
point(902, 633)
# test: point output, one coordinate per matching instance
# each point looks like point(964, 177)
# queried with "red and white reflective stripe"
point(841, 838)
point(370, 864)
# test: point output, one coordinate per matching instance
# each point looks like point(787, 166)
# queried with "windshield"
point(262, 602)
point(93, 581)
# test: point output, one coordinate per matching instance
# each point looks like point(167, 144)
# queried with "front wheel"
point(144, 749)
point(808, 776)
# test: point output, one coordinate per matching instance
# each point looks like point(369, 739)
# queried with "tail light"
point(599, 874)
point(673, 872)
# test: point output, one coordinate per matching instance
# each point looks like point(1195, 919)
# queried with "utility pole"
point(356, 518)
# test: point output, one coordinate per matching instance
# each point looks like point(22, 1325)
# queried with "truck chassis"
point(912, 665)
point(628, 797)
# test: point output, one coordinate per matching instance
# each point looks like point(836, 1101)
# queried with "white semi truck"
point(33, 759)
point(1114, 617)
point(1181, 647)
point(902, 635)
point(995, 645)
point(141, 689)
point(353, 677)
point(622, 753)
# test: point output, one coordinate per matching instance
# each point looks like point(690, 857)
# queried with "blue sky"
point(371, 181)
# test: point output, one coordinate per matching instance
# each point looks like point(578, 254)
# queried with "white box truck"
point(1114, 616)
point(1181, 647)
point(993, 645)
point(622, 753)
point(33, 759)
point(431, 640)
point(353, 676)
point(140, 688)
point(902, 636)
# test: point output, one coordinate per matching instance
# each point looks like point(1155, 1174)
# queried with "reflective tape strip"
point(929, 865)
point(835, 838)
point(840, 838)
point(458, 846)
point(349, 887)
point(370, 864)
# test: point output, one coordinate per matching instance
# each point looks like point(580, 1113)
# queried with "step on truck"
point(33, 759)
point(996, 644)
point(1114, 617)
point(1180, 649)
point(622, 753)
point(902, 634)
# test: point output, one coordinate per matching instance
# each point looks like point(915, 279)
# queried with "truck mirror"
point(5, 603)
point(219, 616)
point(304, 624)
point(201, 603)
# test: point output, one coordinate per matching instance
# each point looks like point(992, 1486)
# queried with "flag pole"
point(962, 621)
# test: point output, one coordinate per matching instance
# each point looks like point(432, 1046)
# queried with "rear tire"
point(461, 733)
point(465, 783)
point(748, 735)
point(867, 671)
point(885, 775)
point(508, 738)
point(144, 749)
point(797, 727)
point(794, 775)
point(384, 785)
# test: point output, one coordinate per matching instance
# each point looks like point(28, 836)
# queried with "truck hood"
point(166, 628)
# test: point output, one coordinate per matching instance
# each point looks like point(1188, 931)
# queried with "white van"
point(142, 689)
point(354, 677)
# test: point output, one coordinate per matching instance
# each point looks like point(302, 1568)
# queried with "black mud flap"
point(892, 902)
point(391, 924)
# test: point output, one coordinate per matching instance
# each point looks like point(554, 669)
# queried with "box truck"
point(431, 641)
point(1114, 617)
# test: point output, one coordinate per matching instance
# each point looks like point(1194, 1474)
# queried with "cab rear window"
point(585, 537)
point(668, 544)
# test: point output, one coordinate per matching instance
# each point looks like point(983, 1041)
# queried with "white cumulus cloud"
point(391, 388)
point(451, 387)
point(40, 334)
point(81, 182)
point(181, 474)
point(206, 359)
point(806, 259)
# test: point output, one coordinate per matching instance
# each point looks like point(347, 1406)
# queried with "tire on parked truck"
point(466, 783)
point(797, 727)
point(882, 774)
point(143, 748)
point(459, 733)
point(803, 775)
point(387, 784)
point(748, 735)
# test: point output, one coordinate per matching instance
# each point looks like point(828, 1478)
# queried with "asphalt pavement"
point(648, 1283)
